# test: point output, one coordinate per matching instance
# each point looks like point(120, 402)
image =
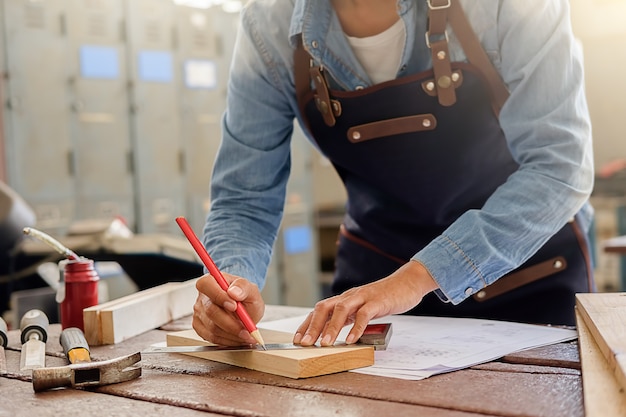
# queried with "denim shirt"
point(545, 122)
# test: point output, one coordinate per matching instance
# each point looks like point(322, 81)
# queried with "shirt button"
point(469, 291)
point(358, 87)
point(314, 44)
point(403, 68)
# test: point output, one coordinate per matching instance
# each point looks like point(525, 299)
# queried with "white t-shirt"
point(380, 54)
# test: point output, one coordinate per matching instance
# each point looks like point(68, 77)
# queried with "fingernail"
point(297, 338)
point(230, 305)
point(350, 339)
point(235, 291)
point(326, 340)
point(307, 339)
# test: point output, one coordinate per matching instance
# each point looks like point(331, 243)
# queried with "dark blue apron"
point(411, 166)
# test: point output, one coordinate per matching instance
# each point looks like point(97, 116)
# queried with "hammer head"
point(88, 374)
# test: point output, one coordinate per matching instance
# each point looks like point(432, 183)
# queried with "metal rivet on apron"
point(323, 107)
point(558, 265)
point(455, 76)
point(314, 44)
point(444, 82)
point(430, 86)
point(441, 55)
point(426, 123)
point(356, 135)
point(359, 87)
point(481, 294)
point(469, 291)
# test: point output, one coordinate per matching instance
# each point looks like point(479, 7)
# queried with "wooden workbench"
point(539, 382)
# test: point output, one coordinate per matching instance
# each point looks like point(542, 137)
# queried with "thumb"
point(240, 289)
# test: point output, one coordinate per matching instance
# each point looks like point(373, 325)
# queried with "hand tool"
point(88, 374)
point(376, 335)
point(215, 272)
point(75, 345)
point(4, 339)
point(34, 327)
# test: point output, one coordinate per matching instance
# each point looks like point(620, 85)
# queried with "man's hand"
point(214, 317)
point(397, 293)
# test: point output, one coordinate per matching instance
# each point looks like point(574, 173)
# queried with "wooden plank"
point(605, 317)
point(602, 394)
point(113, 322)
point(292, 363)
point(91, 315)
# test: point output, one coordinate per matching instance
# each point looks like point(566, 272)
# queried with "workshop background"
point(110, 118)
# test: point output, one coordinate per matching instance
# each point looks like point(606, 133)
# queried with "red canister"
point(80, 281)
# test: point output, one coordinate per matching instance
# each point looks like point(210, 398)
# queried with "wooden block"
point(602, 394)
point(126, 317)
point(604, 315)
point(292, 363)
point(91, 315)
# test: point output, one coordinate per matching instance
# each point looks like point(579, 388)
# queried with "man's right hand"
point(214, 317)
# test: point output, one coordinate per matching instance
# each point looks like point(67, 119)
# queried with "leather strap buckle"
point(433, 7)
point(427, 36)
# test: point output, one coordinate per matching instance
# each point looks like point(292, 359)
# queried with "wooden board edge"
point(109, 323)
point(341, 359)
point(602, 394)
point(614, 358)
point(92, 328)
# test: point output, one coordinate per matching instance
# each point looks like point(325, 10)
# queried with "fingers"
point(214, 318)
point(249, 295)
point(397, 293)
point(330, 316)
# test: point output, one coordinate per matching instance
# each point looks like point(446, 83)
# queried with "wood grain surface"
point(292, 363)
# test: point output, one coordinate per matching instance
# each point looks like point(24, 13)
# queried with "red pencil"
point(215, 272)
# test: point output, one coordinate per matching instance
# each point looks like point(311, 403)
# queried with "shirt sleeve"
point(547, 128)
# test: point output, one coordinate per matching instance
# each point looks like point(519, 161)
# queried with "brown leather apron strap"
point(389, 127)
point(477, 55)
point(362, 242)
point(437, 41)
point(522, 277)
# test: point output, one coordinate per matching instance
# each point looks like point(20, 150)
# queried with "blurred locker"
point(39, 155)
point(99, 110)
point(202, 98)
point(155, 114)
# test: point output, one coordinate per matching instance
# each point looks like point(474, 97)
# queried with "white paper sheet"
point(424, 346)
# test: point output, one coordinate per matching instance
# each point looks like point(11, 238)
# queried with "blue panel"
point(99, 62)
point(155, 66)
point(298, 239)
point(200, 74)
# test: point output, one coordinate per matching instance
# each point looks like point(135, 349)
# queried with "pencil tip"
point(257, 336)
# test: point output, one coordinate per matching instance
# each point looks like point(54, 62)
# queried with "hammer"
point(82, 372)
